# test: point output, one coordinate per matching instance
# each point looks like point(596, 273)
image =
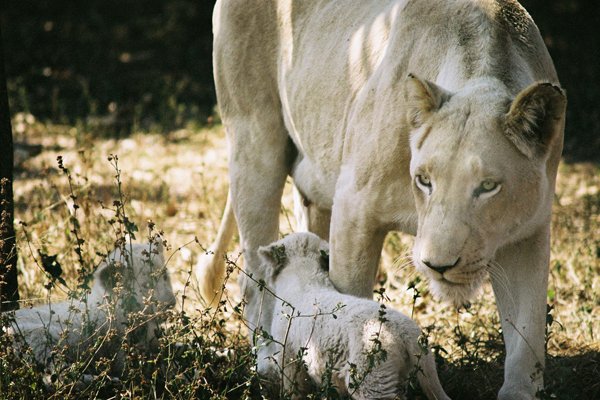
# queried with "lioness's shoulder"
point(510, 15)
point(507, 14)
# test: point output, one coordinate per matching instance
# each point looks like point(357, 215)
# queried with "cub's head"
point(295, 261)
point(483, 166)
point(141, 269)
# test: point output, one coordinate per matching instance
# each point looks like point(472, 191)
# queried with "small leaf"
point(130, 227)
point(52, 267)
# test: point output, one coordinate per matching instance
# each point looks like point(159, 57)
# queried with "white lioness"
point(464, 156)
point(382, 344)
point(81, 327)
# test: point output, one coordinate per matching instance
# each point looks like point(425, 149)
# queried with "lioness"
point(463, 154)
point(321, 331)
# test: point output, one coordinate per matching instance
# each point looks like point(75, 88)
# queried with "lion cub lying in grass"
point(130, 289)
point(334, 340)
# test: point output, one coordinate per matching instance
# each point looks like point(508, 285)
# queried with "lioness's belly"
point(315, 184)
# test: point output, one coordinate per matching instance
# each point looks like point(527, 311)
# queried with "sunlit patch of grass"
point(179, 181)
point(575, 266)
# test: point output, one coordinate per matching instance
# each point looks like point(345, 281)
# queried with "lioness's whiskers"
point(402, 262)
point(500, 279)
point(401, 266)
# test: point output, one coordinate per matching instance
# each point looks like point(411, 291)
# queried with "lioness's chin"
point(457, 294)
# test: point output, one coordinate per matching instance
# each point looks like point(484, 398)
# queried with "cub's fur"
point(94, 326)
point(333, 331)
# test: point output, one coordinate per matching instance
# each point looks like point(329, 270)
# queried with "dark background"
point(146, 64)
point(144, 61)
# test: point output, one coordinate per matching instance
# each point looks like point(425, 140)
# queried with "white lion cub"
point(98, 321)
point(328, 338)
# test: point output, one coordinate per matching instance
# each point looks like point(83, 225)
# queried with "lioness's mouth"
point(459, 291)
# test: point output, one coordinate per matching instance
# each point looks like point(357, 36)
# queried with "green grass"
point(178, 181)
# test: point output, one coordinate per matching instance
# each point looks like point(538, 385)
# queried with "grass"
point(178, 182)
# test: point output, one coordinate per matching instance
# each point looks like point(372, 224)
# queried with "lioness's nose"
point(441, 268)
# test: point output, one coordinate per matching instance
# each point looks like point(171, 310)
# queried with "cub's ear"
point(107, 274)
point(422, 99)
point(534, 118)
point(273, 259)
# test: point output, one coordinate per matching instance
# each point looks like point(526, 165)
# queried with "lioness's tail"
point(428, 377)
point(210, 269)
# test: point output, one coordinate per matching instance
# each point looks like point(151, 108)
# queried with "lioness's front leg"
point(355, 242)
point(520, 288)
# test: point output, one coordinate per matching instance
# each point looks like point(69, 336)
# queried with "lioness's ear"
point(273, 259)
point(533, 120)
point(422, 98)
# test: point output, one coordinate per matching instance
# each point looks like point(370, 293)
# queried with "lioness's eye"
point(423, 182)
point(487, 188)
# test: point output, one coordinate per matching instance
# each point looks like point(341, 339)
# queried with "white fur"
point(305, 321)
point(77, 326)
point(210, 269)
point(325, 85)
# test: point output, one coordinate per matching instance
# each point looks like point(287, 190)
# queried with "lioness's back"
point(318, 64)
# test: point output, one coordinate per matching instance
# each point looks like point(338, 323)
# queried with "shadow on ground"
point(566, 377)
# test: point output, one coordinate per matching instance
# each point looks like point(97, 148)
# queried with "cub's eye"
point(487, 188)
point(424, 183)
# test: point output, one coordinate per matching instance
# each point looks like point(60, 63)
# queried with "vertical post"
point(9, 293)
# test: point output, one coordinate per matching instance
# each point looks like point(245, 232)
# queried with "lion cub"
point(327, 338)
point(95, 325)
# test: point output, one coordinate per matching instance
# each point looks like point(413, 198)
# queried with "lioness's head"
point(482, 166)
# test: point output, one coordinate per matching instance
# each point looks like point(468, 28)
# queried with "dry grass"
point(178, 180)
